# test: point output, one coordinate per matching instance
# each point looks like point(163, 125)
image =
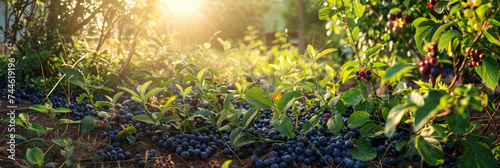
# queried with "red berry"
point(396, 29)
point(325, 120)
point(368, 77)
point(358, 77)
point(392, 17)
point(327, 115)
point(470, 65)
point(425, 70)
point(479, 63)
point(433, 61)
point(431, 6)
point(361, 73)
point(482, 56)
point(408, 19)
point(389, 87)
point(398, 14)
point(101, 124)
point(478, 52)
point(390, 24)
point(368, 72)
point(475, 57)
point(389, 92)
point(421, 63)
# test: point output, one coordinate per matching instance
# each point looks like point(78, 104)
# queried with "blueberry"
point(127, 155)
point(113, 152)
point(283, 165)
point(307, 160)
point(204, 155)
point(114, 158)
point(197, 153)
point(308, 152)
point(349, 164)
point(138, 156)
point(116, 144)
point(259, 163)
point(153, 151)
point(275, 166)
point(185, 155)
point(142, 164)
point(288, 159)
point(119, 150)
point(154, 139)
point(99, 152)
point(179, 150)
point(349, 144)
point(337, 160)
point(121, 156)
point(109, 148)
point(50, 166)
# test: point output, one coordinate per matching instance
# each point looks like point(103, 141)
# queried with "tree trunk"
point(302, 27)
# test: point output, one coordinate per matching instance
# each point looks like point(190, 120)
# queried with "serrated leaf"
point(144, 118)
point(424, 112)
point(352, 97)
point(393, 118)
point(88, 124)
point(371, 130)
point(372, 51)
point(477, 154)
point(285, 126)
point(255, 97)
point(489, 72)
point(459, 120)
point(430, 150)
point(334, 124)
point(446, 38)
point(311, 123)
point(357, 119)
point(363, 150)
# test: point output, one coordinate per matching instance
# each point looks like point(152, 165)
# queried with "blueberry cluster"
point(235, 102)
point(26, 92)
point(197, 144)
point(142, 163)
point(114, 153)
point(78, 111)
point(396, 21)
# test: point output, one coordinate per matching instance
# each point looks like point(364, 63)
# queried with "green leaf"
point(393, 119)
point(24, 118)
point(395, 72)
point(423, 33)
point(255, 97)
point(371, 130)
point(227, 103)
point(249, 116)
point(59, 142)
point(338, 104)
point(311, 52)
point(440, 6)
point(16, 121)
point(357, 119)
point(324, 52)
point(37, 128)
point(363, 89)
point(372, 51)
point(352, 97)
point(188, 78)
point(311, 123)
point(334, 124)
point(287, 100)
point(459, 120)
point(491, 38)
point(477, 154)
point(481, 10)
point(285, 126)
point(441, 129)
point(359, 8)
point(430, 150)
point(61, 110)
point(153, 92)
point(141, 89)
point(424, 112)
point(201, 75)
point(100, 104)
point(131, 138)
point(81, 97)
point(88, 124)
point(117, 96)
point(129, 91)
point(16, 136)
point(39, 108)
point(363, 150)
point(34, 156)
point(355, 33)
point(73, 76)
point(489, 72)
point(446, 38)
point(205, 113)
point(144, 118)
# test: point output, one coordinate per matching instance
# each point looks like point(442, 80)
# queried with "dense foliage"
point(403, 83)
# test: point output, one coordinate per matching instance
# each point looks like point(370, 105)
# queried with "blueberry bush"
point(408, 84)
